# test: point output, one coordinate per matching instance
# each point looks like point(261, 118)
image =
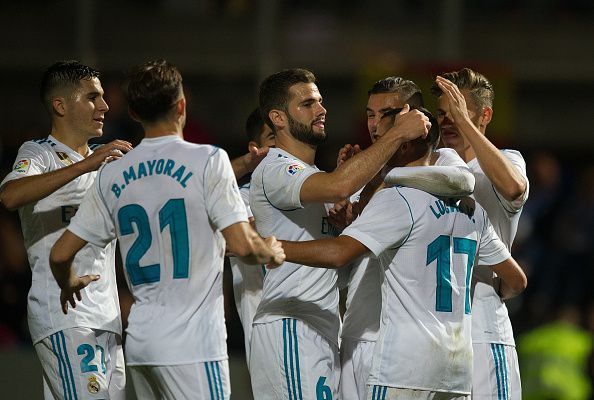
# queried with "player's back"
point(164, 198)
point(427, 247)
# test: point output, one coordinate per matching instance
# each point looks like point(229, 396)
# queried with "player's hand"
point(410, 124)
point(346, 152)
point(456, 109)
point(106, 153)
point(341, 215)
point(73, 289)
point(255, 156)
point(278, 256)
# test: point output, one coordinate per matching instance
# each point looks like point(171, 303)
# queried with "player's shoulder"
point(39, 145)
point(512, 154)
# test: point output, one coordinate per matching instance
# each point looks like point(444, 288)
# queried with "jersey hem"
point(185, 362)
point(55, 330)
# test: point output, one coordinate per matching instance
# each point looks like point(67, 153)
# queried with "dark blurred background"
point(538, 54)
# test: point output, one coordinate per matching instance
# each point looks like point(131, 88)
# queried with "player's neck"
point(74, 141)
point(467, 154)
point(303, 151)
point(163, 128)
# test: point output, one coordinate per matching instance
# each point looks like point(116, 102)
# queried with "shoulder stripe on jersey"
point(412, 225)
point(216, 149)
point(94, 146)
point(268, 200)
point(99, 186)
point(61, 366)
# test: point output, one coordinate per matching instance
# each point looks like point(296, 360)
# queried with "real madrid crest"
point(93, 385)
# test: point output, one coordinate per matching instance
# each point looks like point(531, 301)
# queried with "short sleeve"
point(491, 249)
point(517, 161)
point(449, 158)
point(223, 201)
point(93, 222)
point(386, 221)
point(31, 160)
point(282, 180)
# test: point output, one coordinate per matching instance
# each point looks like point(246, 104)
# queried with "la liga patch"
point(294, 168)
point(22, 166)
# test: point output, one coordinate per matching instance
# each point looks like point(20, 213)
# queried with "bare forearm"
point(62, 271)
point(500, 171)
point(23, 191)
point(322, 253)
point(362, 167)
point(240, 166)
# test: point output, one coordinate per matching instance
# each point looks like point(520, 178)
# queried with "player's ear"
point(486, 116)
point(278, 118)
point(59, 106)
point(133, 115)
point(252, 144)
point(180, 106)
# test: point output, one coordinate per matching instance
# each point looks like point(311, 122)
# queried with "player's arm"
point(245, 164)
point(324, 253)
point(244, 242)
point(513, 279)
point(20, 192)
point(355, 172)
point(438, 180)
point(61, 257)
point(504, 176)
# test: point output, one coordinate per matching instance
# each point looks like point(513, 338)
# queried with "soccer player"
point(294, 346)
point(247, 279)
point(465, 109)
point(80, 353)
point(427, 247)
point(172, 205)
point(361, 323)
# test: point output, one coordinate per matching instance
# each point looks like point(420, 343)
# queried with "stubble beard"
point(305, 133)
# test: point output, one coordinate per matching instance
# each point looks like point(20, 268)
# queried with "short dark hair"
point(63, 75)
point(432, 138)
point(481, 90)
point(409, 90)
point(274, 90)
point(152, 89)
point(254, 125)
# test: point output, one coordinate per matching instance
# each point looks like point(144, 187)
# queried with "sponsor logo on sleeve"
point(294, 168)
point(22, 166)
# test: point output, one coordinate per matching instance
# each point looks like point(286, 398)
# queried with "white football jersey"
point(166, 201)
point(427, 248)
point(364, 300)
point(490, 319)
point(247, 282)
point(293, 290)
point(43, 222)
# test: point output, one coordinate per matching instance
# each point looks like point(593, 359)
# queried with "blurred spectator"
point(554, 359)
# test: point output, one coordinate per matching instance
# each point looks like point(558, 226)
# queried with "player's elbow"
point(514, 191)
point(9, 199)
point(58, 256)
point(340, 191)
point(515, 286)
point(467, 182)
